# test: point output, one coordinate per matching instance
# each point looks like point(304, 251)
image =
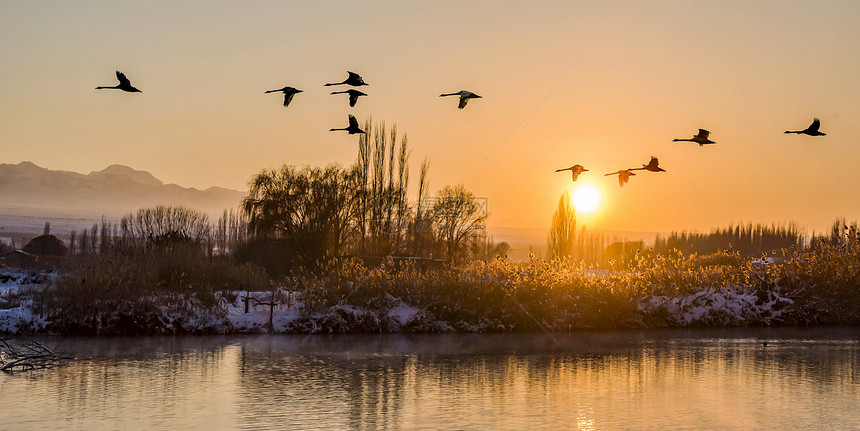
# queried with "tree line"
point(312, 214)
point(305, 216)
point(750, 240)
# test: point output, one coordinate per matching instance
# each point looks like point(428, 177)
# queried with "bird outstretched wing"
point(123, 81)
point(703, 134)
point(816, 124)
point(353, 122)
point(354, 79)
point(463, 102)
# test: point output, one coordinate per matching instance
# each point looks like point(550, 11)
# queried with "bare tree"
point(484, 248)
point(85, 242)
point(384, 204)
point(421, 229)
point(457, 217)
point(163, 225)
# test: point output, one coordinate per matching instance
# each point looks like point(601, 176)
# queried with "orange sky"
point(602, 84)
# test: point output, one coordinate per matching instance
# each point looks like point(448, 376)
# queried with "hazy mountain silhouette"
point(114, 171)
point(115, 190)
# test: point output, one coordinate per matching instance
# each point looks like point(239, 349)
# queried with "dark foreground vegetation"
point(181, 289)
point(344, 250)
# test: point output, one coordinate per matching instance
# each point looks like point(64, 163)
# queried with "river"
point(592, 380)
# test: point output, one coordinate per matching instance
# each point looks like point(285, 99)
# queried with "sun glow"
point(586, 199)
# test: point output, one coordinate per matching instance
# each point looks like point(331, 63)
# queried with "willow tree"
point(562, 233)
point(314, 210)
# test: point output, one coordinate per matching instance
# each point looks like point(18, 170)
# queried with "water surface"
point(654, 379)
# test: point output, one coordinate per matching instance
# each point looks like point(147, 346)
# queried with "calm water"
point(658, 379)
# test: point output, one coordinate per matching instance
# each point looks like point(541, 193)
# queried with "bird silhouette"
point(623, 176)
point(289, 92)
point(701, 138)
point(124, 84)
point(353, 126)
point(575, 170)
point(353, 95)
point(812, 130)
point(464, 97)
point(651, 166)
point(353, 79)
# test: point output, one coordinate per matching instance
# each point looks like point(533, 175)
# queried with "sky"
point(604, 84)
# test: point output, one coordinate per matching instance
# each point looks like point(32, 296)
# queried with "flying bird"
point(623, 176)
point(812, 130)
point(353, 126)
point(701, 138)
point(651, 166)
point(353, 79)
point(353, 95)
point(575, 170)
point(289, 92)
point(464, 97)
point(124, 84)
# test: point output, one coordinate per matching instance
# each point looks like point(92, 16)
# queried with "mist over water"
point(657, 379)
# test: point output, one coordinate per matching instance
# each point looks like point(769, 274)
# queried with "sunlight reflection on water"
point(662, 379)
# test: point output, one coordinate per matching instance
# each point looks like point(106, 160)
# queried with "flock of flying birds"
point(700, 138)
point(355, 80)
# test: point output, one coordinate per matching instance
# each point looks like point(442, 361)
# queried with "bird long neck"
point(100, 87)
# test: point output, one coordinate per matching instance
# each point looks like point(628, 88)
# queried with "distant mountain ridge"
point(113, 191)
point(142, 177)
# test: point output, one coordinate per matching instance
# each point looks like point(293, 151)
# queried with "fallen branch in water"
point(26, 356)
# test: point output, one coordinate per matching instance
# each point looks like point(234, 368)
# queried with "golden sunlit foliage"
point(815, 284)
point(562, 232)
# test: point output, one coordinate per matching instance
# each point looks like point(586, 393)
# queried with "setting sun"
point(586, 199)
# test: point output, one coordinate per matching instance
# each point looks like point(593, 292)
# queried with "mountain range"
point(26, 188)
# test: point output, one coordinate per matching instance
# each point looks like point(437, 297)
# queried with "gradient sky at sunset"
point(605, 84)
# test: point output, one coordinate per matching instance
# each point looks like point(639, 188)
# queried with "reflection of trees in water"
point(431, 374)
point(711, 380)
point(296, 384)
point(128, 382)
point(400, 382)
point(483, 381)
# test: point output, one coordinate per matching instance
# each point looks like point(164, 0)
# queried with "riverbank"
point(499, 296)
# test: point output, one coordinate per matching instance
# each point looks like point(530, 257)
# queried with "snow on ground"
point(402, 313)
point(15, 311)
point(728, 306)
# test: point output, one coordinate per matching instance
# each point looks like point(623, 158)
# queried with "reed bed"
point(182, 290)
